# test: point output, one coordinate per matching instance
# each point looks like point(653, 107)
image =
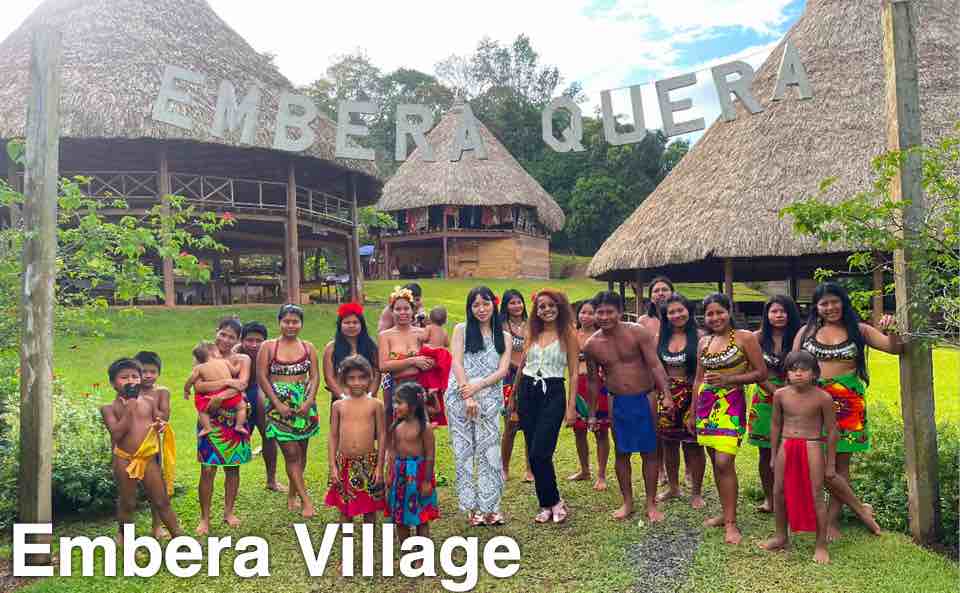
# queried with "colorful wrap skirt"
point(296, 427)
point(356, 492)
point(849, 394)
point(405, 505)
point(672, 423)
point(721, 417)
point(583, 410)
point(761, 412)
point(508, 391)
point(223, 446)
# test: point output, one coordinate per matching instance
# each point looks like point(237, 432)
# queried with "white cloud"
point(698, 17)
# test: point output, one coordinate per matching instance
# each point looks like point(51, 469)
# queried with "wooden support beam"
point(877, 312)
point(610, 285)
point(623, 291)
point(445, 252)
point(356, 279)
point(728, 278)
point(639, 291)
point(793, 281)
point(293, 238)
point(351, 264)
point(39, 259)
point(164, 188)
point(899, 21)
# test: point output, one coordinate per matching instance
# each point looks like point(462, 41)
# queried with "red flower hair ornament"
point(350, 309)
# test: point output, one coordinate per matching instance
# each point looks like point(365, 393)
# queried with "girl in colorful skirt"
point(727, 360)
point(288, 375)
point(356, 447)
point(513, 317)
point(586, 327)
point(838, 339)
point(677, 350)
point(779, 326)
point(412, 497)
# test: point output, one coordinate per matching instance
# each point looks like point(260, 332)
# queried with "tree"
point(868, 221)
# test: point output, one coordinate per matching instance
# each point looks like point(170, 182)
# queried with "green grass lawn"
point(590, 553)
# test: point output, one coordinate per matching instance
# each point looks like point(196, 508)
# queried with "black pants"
point(541, 415)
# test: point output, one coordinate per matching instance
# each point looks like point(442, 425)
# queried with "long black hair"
point(794, 323)
point(366, 347)
point(850, 319)
point(722, 300)
point(690, 329)
point(576, 311)
point(474, 338)
point(509, 295)
point(651, 306)
point(412, 394)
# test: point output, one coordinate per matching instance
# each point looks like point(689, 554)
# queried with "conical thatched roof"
point(499, 180)
point(114, 53)
point(723, 199)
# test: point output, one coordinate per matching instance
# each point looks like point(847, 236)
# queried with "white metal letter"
point(347, 149)
point(792, 73)
point(572, 136)
point(739, 87)
point(287, 119)
point(467, 137)
point(417, 131)
point(668, 107)
point(230, 115)
point(609, 123)
point(169, 92)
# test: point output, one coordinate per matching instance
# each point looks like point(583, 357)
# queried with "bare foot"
point(697, 502)
point(663, 479)
point(293, 503)
point(528, 478)
point(276, 487)
point(580, 476)
point(765, 507)
point(833, 533)
point(161, 532)
point(774, 544)
point(204, 432)
point(623, 512)
point(203, 528)
point(667, 495)
point(820, 555)
point(231, 520)
point(601, 484)
point(870, 521)
point(654, 514)
point(733, 535)
point(308, 510)
point(716, 521)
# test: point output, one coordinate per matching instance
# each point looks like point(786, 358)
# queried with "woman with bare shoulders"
point(837, 338)
point(351, 338)
point(586, 327)
point(399, 349)
point(728, 359)
point(513, 317)
point(659, 290)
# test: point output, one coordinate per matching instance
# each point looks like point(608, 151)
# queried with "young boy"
point(356, 445)
point(436, 335)
point(210, 367)
point(134, 424)
point(151, 365)
point(802, 412)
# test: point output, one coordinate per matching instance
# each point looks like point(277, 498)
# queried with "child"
point(134, 425)
point(210, 367)
point(412, 498)
point(356, 429)
point(436, 335)
point(150, 365)
point(802, 412)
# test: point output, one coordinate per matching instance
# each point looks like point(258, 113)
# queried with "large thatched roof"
point(498, 180)
point(723, 199)
point(114, 53)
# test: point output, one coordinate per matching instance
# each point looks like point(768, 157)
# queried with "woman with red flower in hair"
point(351, 338)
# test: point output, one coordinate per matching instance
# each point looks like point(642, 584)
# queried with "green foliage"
point(873, 223)
point(373, 221)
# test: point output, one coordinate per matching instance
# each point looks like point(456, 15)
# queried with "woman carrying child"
point(412, 494)
point(351, 339)
point(399, 347)
point(289, 376)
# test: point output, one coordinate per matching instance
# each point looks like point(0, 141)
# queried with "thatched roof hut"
point(720, 206)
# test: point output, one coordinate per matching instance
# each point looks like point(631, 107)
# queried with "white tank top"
point(545, 363)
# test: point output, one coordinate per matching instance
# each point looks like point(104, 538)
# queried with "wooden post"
point(794, 281)
point(609, 285)
point(728, 278)
point(639, 292)
point(623, 291)
point(293, 238)
point(445, 264)
point(916, 363)
point(164, 187)
point(216, 285)
point(878, 297)
point(351, 265)
point(39, 264)
point(356, 280)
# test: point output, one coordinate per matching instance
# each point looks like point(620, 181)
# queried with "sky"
point(603, 44)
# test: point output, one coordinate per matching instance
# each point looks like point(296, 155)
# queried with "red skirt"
point(603, 405)
point(356, 493)
point(797, 489)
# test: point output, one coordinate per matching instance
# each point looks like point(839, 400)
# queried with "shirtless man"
point(627, 354)
point(134, 422)
point(419, 317)
point(151, 365)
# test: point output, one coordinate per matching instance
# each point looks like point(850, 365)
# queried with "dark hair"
point(651, 307)
point(415, 289)
point(850, 318)
point(804, 360)
point(608, 297)
point(412, 394)
point(289, 308)
point(794, 323)
point(690, 329)
point(564, 321)
point(438, 315)
point(231, 322)
point(145, 357)
point(509, 295)
point(366, 347)
point(473, 341)
point(355, 362)
point(722, 300)
point(576, 312)
point(254, 327)
point(122, 364)
point(201, 352)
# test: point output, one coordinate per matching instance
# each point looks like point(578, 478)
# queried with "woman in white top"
point(544, 400)
point(474, 401)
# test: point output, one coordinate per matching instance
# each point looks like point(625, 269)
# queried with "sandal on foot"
point(476, 520)
point(543, 516)
point(494, 519)
point(560, 512)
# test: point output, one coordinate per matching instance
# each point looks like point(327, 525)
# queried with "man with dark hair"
point(419, 315)
point(150, 365)
point(627, 354)
point(252, 335)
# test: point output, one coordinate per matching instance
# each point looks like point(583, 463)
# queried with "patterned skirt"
point(761, 411)
point(356, 493)
point(405, 504)
point(721, 417)
point(672, 423)
point(293, 428)
point(223, 446)
point(849, 395)
point(583, 410)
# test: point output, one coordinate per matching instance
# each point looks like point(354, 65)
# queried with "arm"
point(429, 453)
point(386, 320)
point(381, 421)
point(470, 389)
point(191, 383)
point(163, 404)
point(697, 384)
point(648, 348)
point(593, 382)
point(798, 339)
point(457, 354)
point(573, 367)
point(263, 379)
point(241, 370)
point(313, 380)
point(329, 373)
point(333, 442)
point(776, 420)
point(833, 435)
point(758, 368)
point(889, 343)
point(118, 420)
point(394, 366)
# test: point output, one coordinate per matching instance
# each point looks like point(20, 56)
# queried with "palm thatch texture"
point(498, 180)
point(114, 53)
point(723, 199)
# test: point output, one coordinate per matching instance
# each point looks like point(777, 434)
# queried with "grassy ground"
point(601, 555)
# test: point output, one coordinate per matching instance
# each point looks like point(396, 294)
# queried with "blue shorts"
point(633, 427)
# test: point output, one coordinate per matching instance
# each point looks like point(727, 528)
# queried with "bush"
point(879, 476)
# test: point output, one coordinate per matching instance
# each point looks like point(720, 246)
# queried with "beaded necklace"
point(730, 357)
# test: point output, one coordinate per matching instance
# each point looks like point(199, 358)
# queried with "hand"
point(830, 473)
point(378, 476)
point(717, 379)
point(334, 474)
point(423, 363)
point(773, 461)
point(283, 409)
point(887, 322)
point(473, 409)
point(304, 408)
point(666, 401)
point(186, 395)
point(692, 425)
point(426, 489)
point(159, 423)
point(592, 424)
point(469, 390)
point(237, 384)
point(570, 418)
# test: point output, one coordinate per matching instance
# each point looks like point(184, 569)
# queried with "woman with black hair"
point(838, 339)
point(474, 399)
point(351, 338)
point(677, 350)
point(585, 314)
point(658, 291)
point(513, 317)
point(779, 326)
